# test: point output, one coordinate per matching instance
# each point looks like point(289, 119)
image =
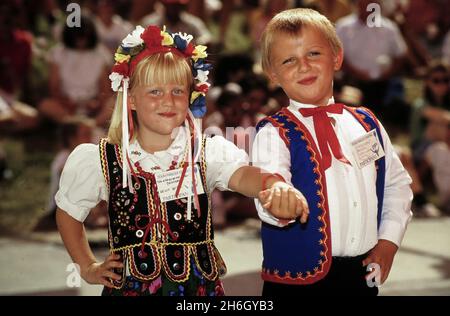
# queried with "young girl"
point(160, 243)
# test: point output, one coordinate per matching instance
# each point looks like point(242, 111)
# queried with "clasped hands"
point(284, 201)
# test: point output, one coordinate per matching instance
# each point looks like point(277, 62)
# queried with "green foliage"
point(23, 196)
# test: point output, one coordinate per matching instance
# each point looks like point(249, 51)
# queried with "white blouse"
point(351, 191)
point(82, 185)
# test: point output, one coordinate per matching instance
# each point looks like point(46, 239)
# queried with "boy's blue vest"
point(301, 253)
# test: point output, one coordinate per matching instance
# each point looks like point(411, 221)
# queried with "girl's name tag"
point(367, 149)
point(167, 183)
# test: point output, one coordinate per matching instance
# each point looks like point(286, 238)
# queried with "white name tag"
point(367, 149)
point(167, 183)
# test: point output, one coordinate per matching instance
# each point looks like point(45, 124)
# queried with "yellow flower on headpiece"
point(199, 52)
point(195, 95)
point(120, 58)
point(167, 39)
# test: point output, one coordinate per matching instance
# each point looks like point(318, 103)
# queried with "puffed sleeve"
point(223, 158)
point(82, 185)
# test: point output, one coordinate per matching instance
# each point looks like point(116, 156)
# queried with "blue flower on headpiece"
point(125, 49)
point(198, 107)
point(201, 65)
point(180, 42)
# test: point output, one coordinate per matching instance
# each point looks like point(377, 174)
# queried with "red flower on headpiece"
point(202, 88)
point(152, 36)
point(121, 68)
point(189, 50)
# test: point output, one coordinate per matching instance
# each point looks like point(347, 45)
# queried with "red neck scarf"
point(326, 137)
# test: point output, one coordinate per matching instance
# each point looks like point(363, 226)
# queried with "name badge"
point(367, 149)
point(167, 183)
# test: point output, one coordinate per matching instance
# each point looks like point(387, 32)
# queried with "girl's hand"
point(100, 273)
point(284, 202)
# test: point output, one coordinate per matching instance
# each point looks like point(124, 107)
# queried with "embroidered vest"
point(301, 253)
point(153, 237)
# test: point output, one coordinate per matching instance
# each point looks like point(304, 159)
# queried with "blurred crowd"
point(54, 78)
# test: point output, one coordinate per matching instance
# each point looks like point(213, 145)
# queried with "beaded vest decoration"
point(153, 237)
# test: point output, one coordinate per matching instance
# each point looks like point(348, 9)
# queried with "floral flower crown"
point(142, 43)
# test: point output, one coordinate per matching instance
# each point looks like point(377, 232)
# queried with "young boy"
point(340, 158)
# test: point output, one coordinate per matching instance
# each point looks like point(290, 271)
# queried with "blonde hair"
point(160, 69)
point(291, 22)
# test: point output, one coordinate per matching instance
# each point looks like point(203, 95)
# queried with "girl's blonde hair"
point(159, 69)
point(291, 22)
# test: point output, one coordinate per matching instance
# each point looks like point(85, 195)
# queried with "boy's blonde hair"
point(291, 22)
point(159, 69)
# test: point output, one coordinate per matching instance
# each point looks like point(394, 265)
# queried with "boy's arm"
point(396, 212)
point(270, 153)
point(398, 195)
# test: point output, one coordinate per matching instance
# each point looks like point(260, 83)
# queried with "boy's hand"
point(100, 273)
point(383, 255)
point(284, 202)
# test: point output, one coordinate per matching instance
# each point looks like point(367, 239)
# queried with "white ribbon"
point(125, 135)
point(198, 133)
point(189, 198)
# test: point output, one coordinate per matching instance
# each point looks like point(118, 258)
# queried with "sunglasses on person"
point(443, 80)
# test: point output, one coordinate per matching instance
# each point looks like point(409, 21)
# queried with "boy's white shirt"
point(353, 202)
point(82, 185)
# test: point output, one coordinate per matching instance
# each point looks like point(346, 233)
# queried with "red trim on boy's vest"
point(360, 118)
point(280, 129)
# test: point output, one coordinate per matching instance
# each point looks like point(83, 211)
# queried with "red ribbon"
point(326, 137)
point(149, 226)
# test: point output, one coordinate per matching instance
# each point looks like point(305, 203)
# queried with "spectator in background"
point(438, 157)
point(227, 100)
point(255, 97)
point(72, 132)
point(373, 55)
point(265, 13)
point(446, 49)
point(430, 113)
point(78, 76)
point(174, 16)
point(423, 24)
point(429, 131)
point(232, 68)
point(15, 65)
point(15, 52)
point(236, 19)
point(428, 21)
point(110, 26)
point(332, 9)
